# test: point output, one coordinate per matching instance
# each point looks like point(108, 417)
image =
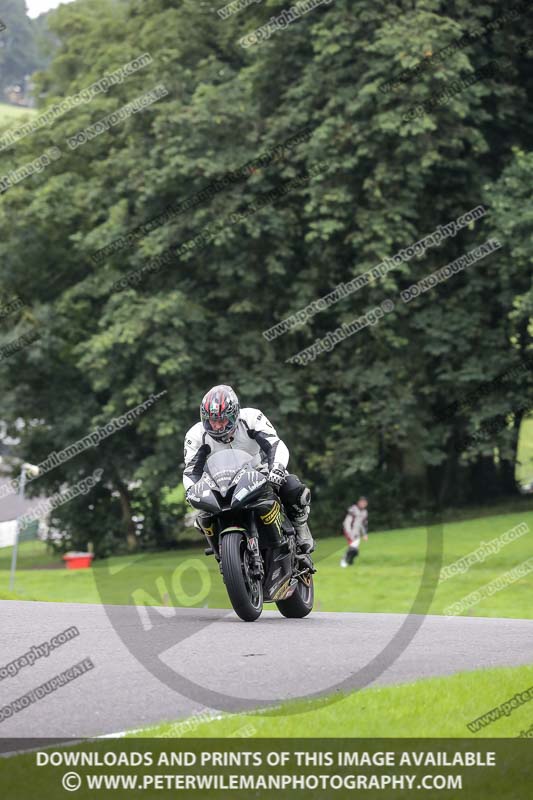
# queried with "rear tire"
point(301, 602)
point(245, 594)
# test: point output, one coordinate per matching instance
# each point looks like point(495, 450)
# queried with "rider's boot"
point(351, 555)
point(297, 505)
point(204, 523)
point(304, 540)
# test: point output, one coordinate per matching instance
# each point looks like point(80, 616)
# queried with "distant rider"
point(354, 526)
point(224, 425)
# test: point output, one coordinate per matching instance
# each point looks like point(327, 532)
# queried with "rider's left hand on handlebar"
point(277, 475)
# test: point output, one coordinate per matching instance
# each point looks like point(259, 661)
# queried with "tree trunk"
point(508, 465)
point(127, 514)
point(127, 519)
point(158, 527)
point(485, 480)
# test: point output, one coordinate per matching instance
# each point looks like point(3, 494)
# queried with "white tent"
point(12, 507)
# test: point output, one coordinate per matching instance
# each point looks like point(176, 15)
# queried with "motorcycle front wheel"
point(245, 592)
point(301, 602)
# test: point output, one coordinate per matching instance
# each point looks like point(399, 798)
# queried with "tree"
point(18, 53)
point(364, 184)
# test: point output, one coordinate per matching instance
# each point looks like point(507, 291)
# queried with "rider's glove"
point(188, 493)
point(277, 475)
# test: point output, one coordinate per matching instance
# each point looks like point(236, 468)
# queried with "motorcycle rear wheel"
point(245, 593)
point(301, 602)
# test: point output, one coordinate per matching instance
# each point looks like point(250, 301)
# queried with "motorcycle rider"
point(224, 425)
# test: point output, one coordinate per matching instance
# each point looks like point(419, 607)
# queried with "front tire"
point(245, 593)
point(301, 602)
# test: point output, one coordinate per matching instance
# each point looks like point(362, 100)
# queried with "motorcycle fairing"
point(249, 483)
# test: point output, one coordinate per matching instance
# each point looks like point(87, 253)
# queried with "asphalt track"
point(270, 660)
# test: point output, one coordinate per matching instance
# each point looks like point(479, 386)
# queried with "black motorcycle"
point(256, 567)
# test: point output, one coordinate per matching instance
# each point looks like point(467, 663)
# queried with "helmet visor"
point(220, 426)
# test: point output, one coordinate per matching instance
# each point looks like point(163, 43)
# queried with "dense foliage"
point(376, 413)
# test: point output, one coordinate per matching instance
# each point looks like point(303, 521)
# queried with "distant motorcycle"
point(255, 570)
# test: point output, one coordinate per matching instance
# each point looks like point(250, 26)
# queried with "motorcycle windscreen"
point(223, 466)
point(249, 483)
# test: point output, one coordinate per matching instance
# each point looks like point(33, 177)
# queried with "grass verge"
point(436, 707)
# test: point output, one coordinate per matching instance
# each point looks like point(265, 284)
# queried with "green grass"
point(385, 578)
point(9, 596)
point(10, 114)
point(437, 707)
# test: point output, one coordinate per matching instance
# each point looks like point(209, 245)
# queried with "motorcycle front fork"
point(256, 562)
